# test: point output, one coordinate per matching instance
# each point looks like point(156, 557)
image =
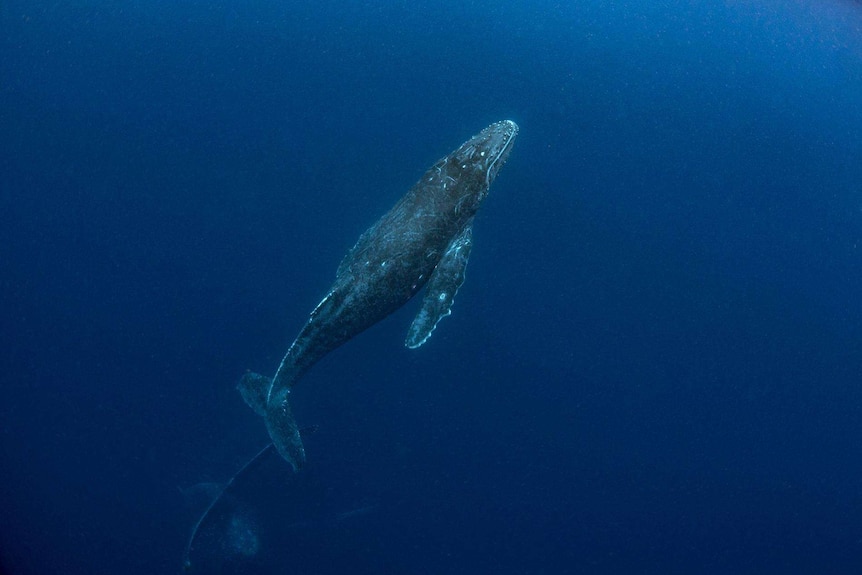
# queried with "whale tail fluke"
point(254, 388)
point(275, 409)
point(283, 430)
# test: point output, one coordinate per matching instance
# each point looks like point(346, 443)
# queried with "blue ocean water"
point(652, 367)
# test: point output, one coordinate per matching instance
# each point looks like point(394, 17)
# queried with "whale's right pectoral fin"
point(442, 287)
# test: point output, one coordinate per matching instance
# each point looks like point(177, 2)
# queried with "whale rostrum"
point(425, 239)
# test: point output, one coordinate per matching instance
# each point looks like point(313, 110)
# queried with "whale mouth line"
point(514, 131)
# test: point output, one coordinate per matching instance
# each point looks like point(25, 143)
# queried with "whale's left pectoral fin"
point(442, 287)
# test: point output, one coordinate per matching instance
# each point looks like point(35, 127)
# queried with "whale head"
point(493, 145)
point(468, 172)
point(485, 153)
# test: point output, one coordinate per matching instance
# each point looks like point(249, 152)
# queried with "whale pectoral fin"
point(254, 388)
point(442, 287)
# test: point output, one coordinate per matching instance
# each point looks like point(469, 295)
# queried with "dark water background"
point(654, 364)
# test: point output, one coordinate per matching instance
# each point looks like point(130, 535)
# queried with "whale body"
point(425, 239)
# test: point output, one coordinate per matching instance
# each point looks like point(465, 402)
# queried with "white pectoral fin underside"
point(442, 287)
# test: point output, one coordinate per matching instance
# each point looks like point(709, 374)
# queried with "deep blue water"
point(653, 367)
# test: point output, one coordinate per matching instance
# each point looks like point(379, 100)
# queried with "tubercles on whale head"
point(501, 139)
point(486, 152)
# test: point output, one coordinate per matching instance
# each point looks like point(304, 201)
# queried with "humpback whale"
point(425, 239)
